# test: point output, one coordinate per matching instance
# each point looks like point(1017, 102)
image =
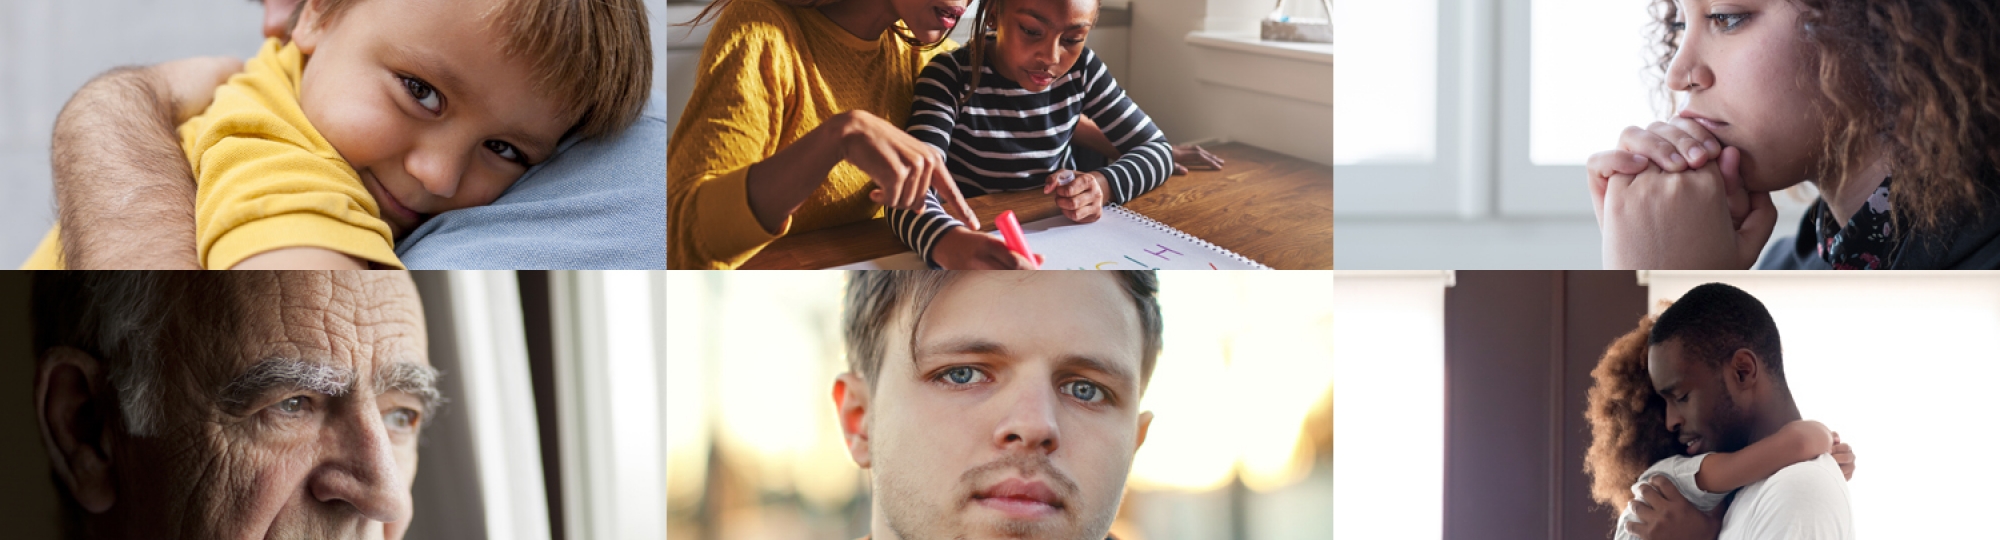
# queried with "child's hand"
point(1082, 201)
point(1819, 439)
point(963, 249)
point(1844, 456)
point(190, 82)
point(1188, 156)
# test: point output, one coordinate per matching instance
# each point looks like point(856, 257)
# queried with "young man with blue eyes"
point(997, 404)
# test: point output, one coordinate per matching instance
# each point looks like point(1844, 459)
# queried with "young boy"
point(377, 115)
point(1007, 124)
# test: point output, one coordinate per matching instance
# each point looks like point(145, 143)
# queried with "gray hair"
point(131, 321)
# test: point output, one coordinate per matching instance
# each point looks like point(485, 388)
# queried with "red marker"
point(1010, 230)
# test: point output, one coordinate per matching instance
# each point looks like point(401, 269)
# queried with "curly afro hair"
point(1628, 427)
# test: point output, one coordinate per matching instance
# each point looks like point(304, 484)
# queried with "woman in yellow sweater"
point(796, 123)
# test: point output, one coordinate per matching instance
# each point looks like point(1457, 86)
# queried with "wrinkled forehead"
point(356, 319)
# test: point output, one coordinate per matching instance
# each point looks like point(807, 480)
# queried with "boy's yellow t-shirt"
point(265, 179)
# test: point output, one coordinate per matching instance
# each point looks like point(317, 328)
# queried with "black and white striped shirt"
point(1007, 138)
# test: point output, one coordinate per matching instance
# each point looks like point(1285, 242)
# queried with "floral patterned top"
point(1868, 242)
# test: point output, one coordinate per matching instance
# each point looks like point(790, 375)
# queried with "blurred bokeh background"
point(1241, 446)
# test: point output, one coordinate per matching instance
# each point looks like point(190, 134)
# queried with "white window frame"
point(610, 356)
point(1481, 167)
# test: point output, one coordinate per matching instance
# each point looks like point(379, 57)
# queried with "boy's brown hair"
point(594, 55)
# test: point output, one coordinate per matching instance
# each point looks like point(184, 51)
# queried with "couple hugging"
point(1695, 435)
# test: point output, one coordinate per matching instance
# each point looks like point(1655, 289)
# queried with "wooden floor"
point(1272, 208)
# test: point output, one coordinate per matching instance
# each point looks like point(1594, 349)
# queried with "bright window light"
point(1902, 367)
point(1588, 77)
point(1384, 81)
point(1388, 386)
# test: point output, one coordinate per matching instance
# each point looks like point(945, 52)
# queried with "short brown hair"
point(875, 297)
point(594, 55)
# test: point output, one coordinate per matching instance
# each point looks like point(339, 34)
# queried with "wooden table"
point(1273, 208)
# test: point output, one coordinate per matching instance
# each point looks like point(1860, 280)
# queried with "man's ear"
point(850, 400)
point(1745, 370)
point(1145, 422)
point(70, 393)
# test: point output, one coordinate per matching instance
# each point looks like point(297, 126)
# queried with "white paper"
point(1121, 240)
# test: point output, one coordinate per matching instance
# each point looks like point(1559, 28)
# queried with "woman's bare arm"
point(1798, 441)
point(124, 191)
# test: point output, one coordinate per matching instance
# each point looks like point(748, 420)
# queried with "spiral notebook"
point(1120, 240)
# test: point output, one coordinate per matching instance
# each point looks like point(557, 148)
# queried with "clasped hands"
point(1671, 196)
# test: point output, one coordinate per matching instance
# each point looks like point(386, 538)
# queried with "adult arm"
point(124, 190)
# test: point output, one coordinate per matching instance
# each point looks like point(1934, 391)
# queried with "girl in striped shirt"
point(1006, 126)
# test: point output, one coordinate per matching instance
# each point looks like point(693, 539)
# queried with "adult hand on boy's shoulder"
point(964, 249)
point(1082, 201)
point(190, 82)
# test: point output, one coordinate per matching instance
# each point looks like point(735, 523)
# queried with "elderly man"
point(213, 405)
point(997, 404)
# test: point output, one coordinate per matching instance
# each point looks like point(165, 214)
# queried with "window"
point(1390, 368)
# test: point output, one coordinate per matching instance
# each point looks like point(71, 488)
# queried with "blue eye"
point(961, 375)
point(1088, 392)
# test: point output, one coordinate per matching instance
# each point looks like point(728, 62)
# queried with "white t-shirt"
point(1679, 469)
point(1804, 501)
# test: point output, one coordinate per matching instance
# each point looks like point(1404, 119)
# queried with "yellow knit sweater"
point(769, 74)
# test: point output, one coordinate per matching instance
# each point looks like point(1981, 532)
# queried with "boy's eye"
point(506, 151)
point(426, 96)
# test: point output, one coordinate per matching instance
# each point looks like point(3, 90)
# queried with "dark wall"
point(27, 492)
point(1519, 347)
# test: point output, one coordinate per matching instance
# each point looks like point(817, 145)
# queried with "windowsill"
point(1249, 43)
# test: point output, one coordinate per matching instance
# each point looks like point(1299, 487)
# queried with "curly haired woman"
point(1843, 94)
point(1630, 442)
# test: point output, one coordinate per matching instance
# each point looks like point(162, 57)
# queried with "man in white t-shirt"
point(1716, 359)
